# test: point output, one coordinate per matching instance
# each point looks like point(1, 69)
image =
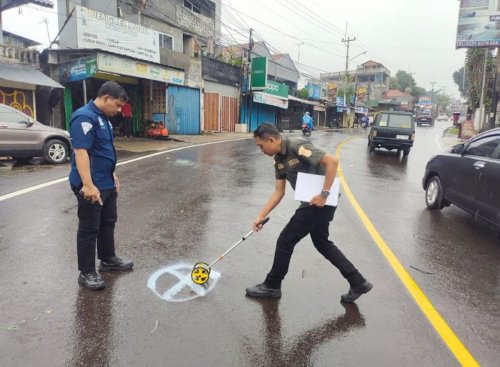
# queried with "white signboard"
point(268, 99)
point(138, 69)
point(106, 32)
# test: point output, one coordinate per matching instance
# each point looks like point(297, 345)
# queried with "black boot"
point(263, 291)
point(356, 292)
point(91, 280)
point(115, 263)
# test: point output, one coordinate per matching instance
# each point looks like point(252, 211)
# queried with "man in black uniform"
point(293, 155)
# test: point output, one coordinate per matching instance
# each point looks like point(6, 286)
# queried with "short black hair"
point(113, 89)
point(266, 130)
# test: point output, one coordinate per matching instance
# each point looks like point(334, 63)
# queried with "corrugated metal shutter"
point(211, 111)
point(183, 110)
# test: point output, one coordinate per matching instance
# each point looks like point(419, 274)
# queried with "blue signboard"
point(314, 90)
point(340, 102)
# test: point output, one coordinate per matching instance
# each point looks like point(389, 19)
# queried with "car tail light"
point(374, 133)
point(412, 137)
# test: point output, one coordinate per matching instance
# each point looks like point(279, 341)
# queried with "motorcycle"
point(306, 130)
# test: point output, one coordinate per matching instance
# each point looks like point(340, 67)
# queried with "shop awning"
point(305, 101)
point(26, 74)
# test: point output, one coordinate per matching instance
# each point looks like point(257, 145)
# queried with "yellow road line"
point(452, 341)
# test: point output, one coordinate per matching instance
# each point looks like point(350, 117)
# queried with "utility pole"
point(482, 109)
point(347, 41)
point(432, 97)
point(298, 57)
point(249, 89)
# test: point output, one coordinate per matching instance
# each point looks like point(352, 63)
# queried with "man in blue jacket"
point(307, 120)
point(95, 184)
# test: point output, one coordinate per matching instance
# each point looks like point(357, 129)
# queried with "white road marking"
point(64, 179)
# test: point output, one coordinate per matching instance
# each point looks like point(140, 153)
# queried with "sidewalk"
point(127, 146)
point(450, 137)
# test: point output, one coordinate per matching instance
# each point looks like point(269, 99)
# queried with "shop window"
point(191, 6)
point(166, 41)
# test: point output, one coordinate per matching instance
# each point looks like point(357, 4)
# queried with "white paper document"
point(309, 185)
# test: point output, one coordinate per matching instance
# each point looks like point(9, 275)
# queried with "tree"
point(394, 83)
point(419, 92)
point(405, 80)
point(474, 64)
point(463, 85)
point(303, 93)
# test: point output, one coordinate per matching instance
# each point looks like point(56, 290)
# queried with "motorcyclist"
point(307, 123)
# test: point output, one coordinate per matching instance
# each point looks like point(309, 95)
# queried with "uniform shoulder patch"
point(304, 152)
point(86, 127)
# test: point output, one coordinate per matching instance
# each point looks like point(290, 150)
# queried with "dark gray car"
point(23, 138)
point(392, 130)
point(468, 176)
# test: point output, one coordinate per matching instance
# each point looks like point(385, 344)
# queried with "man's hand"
point(90, 192)
point(256, 224)
point(318, 200)
point(117, 182)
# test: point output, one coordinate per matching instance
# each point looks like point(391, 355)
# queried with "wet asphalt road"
point(193, 204)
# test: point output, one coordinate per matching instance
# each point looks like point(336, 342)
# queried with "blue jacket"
point(90, 129)
point(306, 119)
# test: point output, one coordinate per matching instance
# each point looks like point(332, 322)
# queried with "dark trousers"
point(96, 225)
point(128, 126)
point(314, 221)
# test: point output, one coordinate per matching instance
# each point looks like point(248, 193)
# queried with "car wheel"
point(371, 146)
point(406, 152)
point(55, 151)
point(434, 194)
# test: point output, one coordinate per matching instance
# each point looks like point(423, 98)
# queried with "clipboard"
point(309, 185)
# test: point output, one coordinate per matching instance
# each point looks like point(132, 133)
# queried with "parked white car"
point(442, 117)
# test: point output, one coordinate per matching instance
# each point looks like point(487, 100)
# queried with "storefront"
point(145, 83)
point(263, 109)
point(19, 85)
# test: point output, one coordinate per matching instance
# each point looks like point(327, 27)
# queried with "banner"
point(259, 72)
point(138, 69)
point(77, 70)
point(361, 95)
point(97, 30)
point(314, 90)
point(478, 24)
point(264, 98)
point(332, 92)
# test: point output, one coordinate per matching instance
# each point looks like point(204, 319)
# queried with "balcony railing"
point(19, 55)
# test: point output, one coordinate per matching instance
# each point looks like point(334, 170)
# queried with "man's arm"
point(330, 163)
point(273, 200)
point(83, 166)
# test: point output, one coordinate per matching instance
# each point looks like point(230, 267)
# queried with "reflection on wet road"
point(191, 205)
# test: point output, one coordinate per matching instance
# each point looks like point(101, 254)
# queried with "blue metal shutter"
point(183, 110)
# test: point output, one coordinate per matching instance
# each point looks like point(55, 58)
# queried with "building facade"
point(154, 49)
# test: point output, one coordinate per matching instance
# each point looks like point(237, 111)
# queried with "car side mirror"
point(29, 123)
point(458, 149)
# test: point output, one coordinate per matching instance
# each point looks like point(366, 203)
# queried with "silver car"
point(23, 138)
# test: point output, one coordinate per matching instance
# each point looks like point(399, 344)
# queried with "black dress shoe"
point(263, 291)
point(356, 292)
point(91, 280)
point(115, 263)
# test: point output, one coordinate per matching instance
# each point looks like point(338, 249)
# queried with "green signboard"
point(80, 69)
point(372, 103)
point(259, 72)
point(276, 89)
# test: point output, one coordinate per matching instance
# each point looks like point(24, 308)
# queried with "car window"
point(383, 119)
point(487, 147)
point(9, 116)
point(400, 121)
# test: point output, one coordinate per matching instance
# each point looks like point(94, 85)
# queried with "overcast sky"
point(412, 35)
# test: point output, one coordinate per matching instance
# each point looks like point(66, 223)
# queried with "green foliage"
point(349, 92)
point(418, 92)
point(394, 83)
point(474, 64)
point(303, 93)
point(463, 85)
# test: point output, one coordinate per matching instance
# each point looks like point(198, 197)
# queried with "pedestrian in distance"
point(127, 119)
point(291, 156)
point(95, 184)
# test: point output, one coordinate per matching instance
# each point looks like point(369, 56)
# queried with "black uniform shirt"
point(297, 155)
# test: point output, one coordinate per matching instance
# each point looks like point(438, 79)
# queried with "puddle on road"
point(13, 167)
